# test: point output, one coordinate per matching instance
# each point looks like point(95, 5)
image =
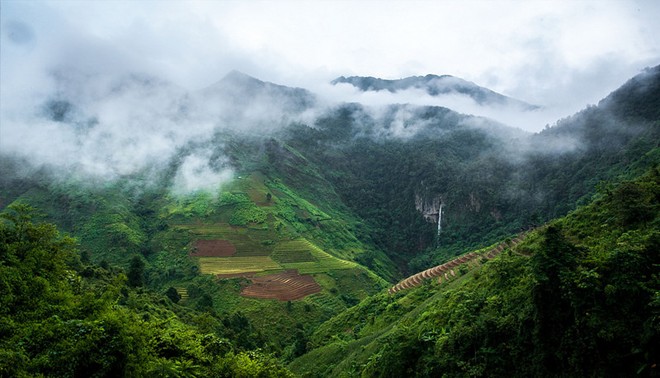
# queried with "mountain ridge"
point(435, 85)
point(337, 198)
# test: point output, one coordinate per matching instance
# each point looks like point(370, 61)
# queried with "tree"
point(173, 295)
point(551, 266)
point(136, 272)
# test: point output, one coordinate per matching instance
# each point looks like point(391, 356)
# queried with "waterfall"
point(440, 219)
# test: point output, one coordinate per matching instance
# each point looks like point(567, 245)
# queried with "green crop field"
point(296, 254)
point(232, 265)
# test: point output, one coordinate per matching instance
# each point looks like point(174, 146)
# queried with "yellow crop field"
point(232, 265)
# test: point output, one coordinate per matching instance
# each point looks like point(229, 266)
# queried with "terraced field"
point(296, 254)
point(235, 264)
point(295, 251)
point(246, 242)
point(447, 271)
point(246, 246)
point(215, 230)
point(183, 294)
point(285, 286)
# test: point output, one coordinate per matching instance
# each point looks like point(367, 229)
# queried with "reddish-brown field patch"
point(213, 248)
point(285, 286)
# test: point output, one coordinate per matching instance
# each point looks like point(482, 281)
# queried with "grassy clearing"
point(232, 265)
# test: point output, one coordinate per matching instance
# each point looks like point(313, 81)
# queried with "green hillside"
point(319, 248)
point(577, 297)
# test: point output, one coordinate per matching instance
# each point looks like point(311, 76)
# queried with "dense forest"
point(284, 269)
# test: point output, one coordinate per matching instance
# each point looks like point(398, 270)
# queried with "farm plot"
point(213, 248)
point(295, 251)
point(233, 265)
point(285, 286)
point(246, 242)
point(217, 230)
point(247, 246)
point(295, 255)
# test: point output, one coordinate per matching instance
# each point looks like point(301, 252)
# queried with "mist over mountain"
point(299, 189)
point(435, 85)
point(248, 201)
point(237, 86)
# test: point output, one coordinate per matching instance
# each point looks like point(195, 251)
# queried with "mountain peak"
point(243, 88)
point(235, 75)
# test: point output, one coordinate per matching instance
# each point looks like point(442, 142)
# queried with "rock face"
point(430, 208)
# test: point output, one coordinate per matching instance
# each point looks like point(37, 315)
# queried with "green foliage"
point(247, 213)
point(173, 294)
point(135, 273)
point(197, 204)
point(58, 318)
point(577, 298)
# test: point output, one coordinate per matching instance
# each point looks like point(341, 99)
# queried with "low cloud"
point(196, 172)
point(512, 114)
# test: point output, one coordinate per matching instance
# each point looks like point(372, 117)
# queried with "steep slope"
point(386, 168)
point(273, 229)
point(617, 137)
point(390, 168)
point(577, 297)
point(344, 203)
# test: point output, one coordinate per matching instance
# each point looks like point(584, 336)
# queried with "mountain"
point(573, 298)
point(435, 85)
point(240, 90)
point(255, 226)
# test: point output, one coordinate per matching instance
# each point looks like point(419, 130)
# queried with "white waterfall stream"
point(440, 219)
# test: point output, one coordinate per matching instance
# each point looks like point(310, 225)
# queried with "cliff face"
point(429, 207)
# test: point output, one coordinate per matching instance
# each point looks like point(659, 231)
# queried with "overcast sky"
point(553, 53)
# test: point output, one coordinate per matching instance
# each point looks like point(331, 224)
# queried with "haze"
point(559, 55)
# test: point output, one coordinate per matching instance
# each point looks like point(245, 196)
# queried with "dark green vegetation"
point(60, 316)
point(492, 180)
point(578, 297)
point(340, 199)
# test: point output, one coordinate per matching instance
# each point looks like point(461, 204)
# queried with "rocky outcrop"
point(429, 208)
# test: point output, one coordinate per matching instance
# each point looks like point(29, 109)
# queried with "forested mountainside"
point(298, 225)
point(576, 297)
point(491, 180)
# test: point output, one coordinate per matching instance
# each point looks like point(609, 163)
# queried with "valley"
point(399, 241)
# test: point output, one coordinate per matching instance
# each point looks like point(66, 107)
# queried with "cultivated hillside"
point(259, 217)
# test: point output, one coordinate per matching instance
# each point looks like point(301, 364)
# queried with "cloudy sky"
point(559, 54)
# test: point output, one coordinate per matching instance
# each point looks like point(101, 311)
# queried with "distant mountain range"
point(435, 85)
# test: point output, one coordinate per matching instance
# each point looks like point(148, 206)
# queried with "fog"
point(510, 114)
point(114, 89)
